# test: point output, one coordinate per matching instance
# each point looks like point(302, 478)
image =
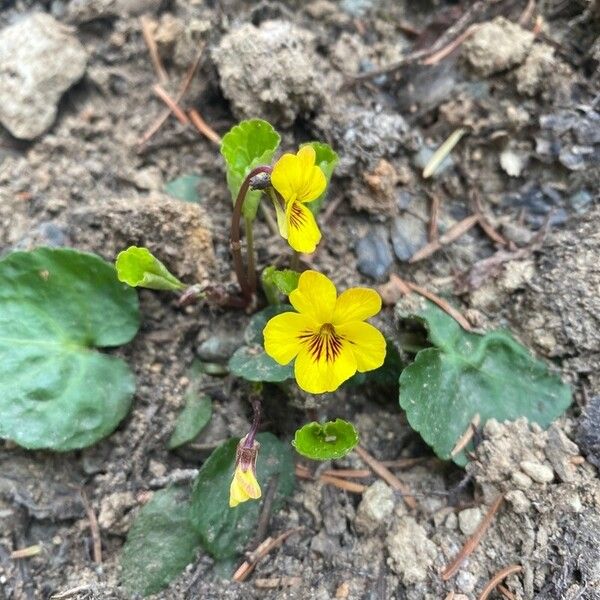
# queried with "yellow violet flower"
point(298, 181)
point(244, 485)
point(327, 336)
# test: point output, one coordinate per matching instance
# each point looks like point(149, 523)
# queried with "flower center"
point(325, 344)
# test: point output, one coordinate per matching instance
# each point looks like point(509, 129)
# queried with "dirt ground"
point(524, 81)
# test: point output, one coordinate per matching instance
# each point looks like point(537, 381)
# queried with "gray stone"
point(537, 471)
point(375, 508)
point(220, 347)
point(374, 254)
point(496, 46)
point(270, 71)
point(409, 234)
point(39, 60)
point(412, 553)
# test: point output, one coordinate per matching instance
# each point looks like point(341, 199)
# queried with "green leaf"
point(468, 374)
point(137, 267)
point(251, 362)
point(184, 188)
point(327, 159)
point(225, 531)
point(326, 441)
point(56, 306)
point(192, 419)
point(244, 147)
point(278, 280)
point(160, 543)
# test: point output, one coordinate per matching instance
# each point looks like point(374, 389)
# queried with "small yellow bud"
point(244, 485)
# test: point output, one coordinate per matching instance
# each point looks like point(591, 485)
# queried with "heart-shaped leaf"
point(225, 531)
point(192, 419)
point(160, 543)
point(326, 159)
point(251, 362)
point(326, 441)
point(137, 267)
point(246, 146)
point(467, 374)
point(56, 306)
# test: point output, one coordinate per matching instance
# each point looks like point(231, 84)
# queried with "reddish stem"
point(248, 290)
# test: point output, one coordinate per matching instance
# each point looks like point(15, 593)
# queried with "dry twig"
point(204, 128)
point(450, 236)
point(94, 529)
point(506, 592)
point(453, 31)
point(467, 436)
point(159, 69)
point(171, 103)
point(343, 484)
point(473, 541)
point(385, 474)
point(497, 578)
point(243, 572)
point(178, 98)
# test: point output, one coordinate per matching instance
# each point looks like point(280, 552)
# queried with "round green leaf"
point(245, 146)
point(56, 391)
point(251, 361)
point(160, 543)
point(468, 374)
point(137, 267)
point(224, 531)
point(326, 441)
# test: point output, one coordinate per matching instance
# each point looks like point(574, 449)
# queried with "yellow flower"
point(327, 336)
point(244, 485)
point(298, 180)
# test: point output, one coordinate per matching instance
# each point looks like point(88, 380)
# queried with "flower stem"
point(256, 403)
point(234, 238)
point(295, 262)
point(250, 254)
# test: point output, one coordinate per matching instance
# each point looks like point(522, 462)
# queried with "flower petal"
point(244, 486)
point(367, 344)
point(356, 304)
point(282, 334)
point(303, 231)
point(322, 375)
point(287, 176)
point(313, 186)
point(314, 297)
point(307, 156)
point(282, 223)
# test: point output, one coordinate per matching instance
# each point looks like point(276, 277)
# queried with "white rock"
point(469, 519)
point(537, 471)
point(39, 60)
point(376, 506)
point(497, 45)
point(411, 552)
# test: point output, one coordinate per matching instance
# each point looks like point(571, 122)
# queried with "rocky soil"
point(77, 169)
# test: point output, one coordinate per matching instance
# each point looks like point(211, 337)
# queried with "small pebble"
point(409, 234)
point(468, 520)
point(519, 501)
point(521, 480)
point(374, 254)
point(537, 471)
